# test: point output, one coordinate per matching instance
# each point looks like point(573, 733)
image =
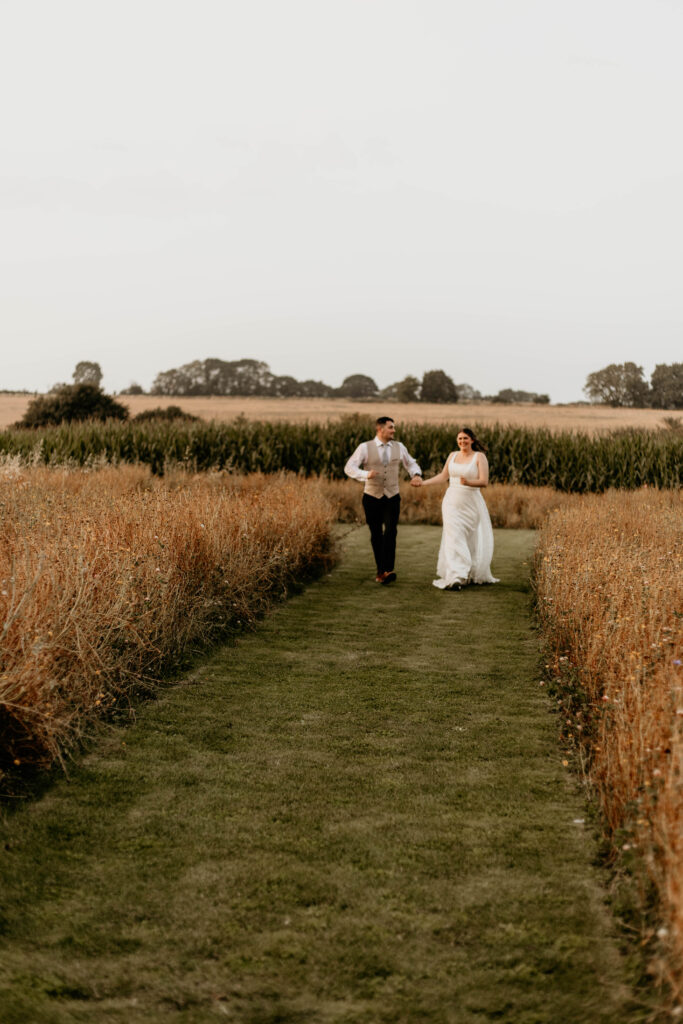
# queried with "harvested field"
point(590, 419)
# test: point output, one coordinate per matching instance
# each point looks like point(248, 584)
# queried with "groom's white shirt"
point(352, 467)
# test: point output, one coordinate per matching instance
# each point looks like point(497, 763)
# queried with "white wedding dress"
point(467, 539)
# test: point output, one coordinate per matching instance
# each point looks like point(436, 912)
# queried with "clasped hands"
point(417, 481)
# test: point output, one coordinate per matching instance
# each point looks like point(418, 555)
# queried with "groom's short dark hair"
point(381, 420)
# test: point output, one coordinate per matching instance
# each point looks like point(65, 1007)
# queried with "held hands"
point(416, 481)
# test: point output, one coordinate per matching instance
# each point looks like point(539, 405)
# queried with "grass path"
point(357, 814)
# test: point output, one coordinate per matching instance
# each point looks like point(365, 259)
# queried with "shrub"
point(170, 413)
point(72, 402)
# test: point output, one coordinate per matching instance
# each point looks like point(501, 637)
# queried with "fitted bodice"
point(458, 469)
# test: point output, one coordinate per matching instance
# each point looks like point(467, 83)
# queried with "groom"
point(381, 500)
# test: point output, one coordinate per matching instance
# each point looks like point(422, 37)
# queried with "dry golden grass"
point(609, 577)
point(111, 577)
point(510, 505)
point(590, 419)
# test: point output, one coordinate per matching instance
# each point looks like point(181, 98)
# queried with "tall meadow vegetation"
point(110, 578)
point(609, 583)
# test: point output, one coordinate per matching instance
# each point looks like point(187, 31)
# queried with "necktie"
point(385, 454)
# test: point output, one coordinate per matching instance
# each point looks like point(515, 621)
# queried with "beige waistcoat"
point(386, 481)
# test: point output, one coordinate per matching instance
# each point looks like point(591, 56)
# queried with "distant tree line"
point(624, 384)
point(85, 399)
point(619, 384)
point(241, 377)
point(245, 377)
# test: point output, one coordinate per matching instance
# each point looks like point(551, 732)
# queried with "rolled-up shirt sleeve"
point(409, 462)
point(352, 467)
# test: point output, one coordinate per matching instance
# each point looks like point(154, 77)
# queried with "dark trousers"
point(381, 515)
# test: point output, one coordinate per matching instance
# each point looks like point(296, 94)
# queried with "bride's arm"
point(439, 478)
point(482, 479)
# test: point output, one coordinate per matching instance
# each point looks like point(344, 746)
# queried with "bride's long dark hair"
point(477, 445)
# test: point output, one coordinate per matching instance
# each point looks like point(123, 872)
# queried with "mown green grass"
point(518, 455)
point(356, 814)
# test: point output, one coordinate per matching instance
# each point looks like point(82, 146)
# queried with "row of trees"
point(245, 377)
point(436, 386)
point(237, 377)
point(619, 384)
point(624, 384)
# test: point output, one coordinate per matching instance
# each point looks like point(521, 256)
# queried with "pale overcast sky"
point(489, 187)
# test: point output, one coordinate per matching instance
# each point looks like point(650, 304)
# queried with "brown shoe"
point(380, 578)
point(388, 577)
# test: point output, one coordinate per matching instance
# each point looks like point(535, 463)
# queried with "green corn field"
point(572, 462)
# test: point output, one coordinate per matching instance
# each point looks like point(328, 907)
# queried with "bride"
point(467, 538)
